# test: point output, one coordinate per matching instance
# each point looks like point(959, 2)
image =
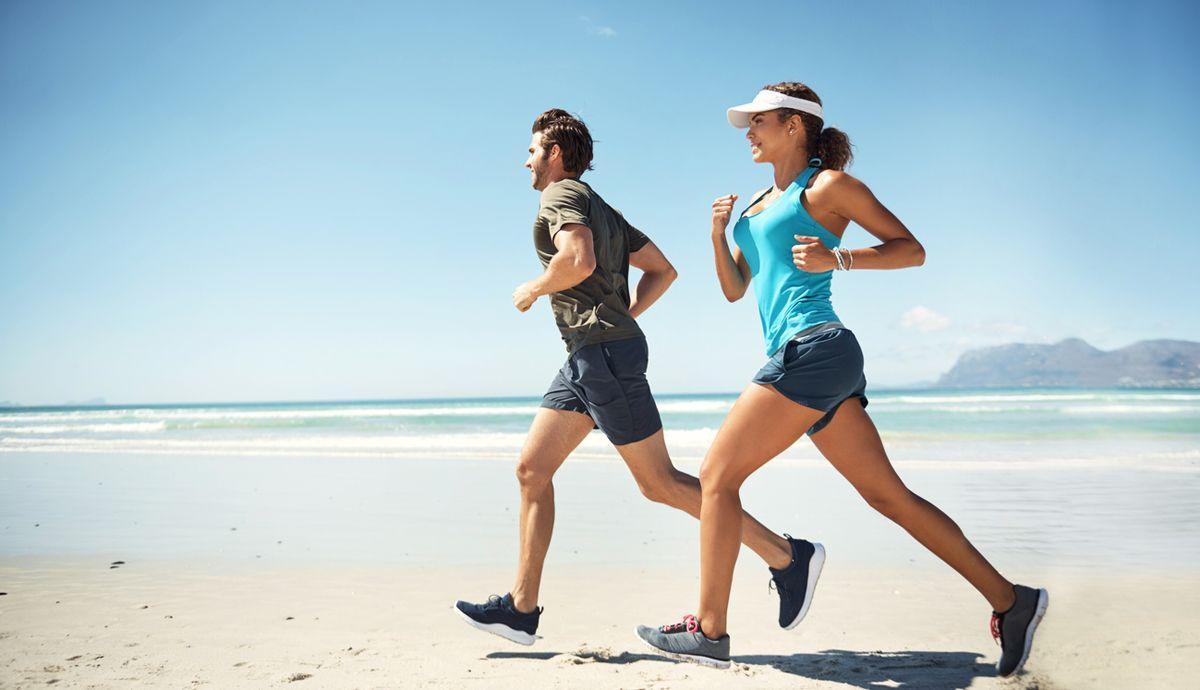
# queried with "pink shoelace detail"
point(688, 624)
point(996, 627)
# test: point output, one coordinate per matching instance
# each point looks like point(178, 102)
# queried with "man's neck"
point(559, 177)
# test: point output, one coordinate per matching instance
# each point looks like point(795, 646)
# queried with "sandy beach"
point(340, 573)
point(285, 286)
point(175, 625)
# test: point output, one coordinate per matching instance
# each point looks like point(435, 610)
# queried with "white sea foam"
point(505, 447)
point(113, 428)
point(234, 414)
point(332, 412)
point(690, 438)
point(1009, 398)
point(678, 406)
point(497, 429)
point(1131, 409)
point(431, 443)
point(1117, 402)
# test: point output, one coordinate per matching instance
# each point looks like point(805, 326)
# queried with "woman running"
point(789, 240)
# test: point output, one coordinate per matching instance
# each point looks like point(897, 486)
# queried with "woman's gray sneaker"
point(1014, 628)
point(797, 582)
point(499, 617)
point(685, 641)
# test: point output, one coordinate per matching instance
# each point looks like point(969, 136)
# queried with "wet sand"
point(161, 571)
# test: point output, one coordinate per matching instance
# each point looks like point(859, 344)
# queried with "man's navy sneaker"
point(499, 617)
point(796, 582)
point(1014, 628)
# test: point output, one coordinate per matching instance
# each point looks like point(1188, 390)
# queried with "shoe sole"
point(518, 636)
point(815, 564)
point(1042, 605)
point(691, 658)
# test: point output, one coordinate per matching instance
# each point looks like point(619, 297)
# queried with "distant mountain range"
point(1075, 363)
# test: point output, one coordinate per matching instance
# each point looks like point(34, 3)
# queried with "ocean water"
point(1142, 429)
point(1042, 480)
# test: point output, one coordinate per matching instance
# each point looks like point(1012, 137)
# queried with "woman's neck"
point(787, 170)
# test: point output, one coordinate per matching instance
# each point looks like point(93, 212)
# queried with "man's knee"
point(662, 487)
point(892, 504)
point(532, 474)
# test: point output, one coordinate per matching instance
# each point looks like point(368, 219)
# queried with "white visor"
point(739, 115)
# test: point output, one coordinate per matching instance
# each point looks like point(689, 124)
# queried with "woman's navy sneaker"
point(1014, 628)
point(796, 582)
point(499, 617)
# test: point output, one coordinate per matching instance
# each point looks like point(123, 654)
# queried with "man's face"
point(538, 162)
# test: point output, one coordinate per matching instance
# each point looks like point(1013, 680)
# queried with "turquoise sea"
point(1044, 478)
point(1159, 428)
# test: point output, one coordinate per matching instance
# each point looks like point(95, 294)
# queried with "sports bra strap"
point(802, 181)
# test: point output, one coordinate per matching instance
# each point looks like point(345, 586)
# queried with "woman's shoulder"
point(833, 181)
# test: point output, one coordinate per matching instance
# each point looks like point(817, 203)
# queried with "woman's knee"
point(717, 475)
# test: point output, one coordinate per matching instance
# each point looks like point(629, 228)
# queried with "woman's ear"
point(795, 125)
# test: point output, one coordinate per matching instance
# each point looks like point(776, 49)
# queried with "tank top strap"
point(802, 181)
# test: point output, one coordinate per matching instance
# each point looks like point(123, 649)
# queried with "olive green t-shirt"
point(596, 310)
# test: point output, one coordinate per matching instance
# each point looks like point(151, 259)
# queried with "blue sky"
point(292, 200)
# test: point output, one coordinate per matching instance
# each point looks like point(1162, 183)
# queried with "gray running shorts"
point(821, 371)
point(607, 382)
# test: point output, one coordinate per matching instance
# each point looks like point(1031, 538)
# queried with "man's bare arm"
point(574, 262)
point(657, 276)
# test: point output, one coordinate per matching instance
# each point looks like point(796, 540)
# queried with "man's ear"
point(554, 153)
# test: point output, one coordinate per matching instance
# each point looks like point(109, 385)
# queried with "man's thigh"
point(552, 437)
point(647, 459)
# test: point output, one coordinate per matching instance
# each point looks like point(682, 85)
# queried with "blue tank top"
point(789, 300)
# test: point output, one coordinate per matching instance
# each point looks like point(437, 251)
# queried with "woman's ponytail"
point(833, 148)
point(829, 144)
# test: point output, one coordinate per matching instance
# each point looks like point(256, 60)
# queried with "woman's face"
point(770, 138)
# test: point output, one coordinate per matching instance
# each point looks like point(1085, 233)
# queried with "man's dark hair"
point(558, 127)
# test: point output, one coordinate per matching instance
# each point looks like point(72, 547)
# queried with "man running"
point(586, 248)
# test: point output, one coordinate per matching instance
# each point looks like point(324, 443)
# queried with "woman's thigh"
point(761, 425)
point(851, 443)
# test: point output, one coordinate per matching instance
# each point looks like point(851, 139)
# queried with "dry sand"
point(177, 625)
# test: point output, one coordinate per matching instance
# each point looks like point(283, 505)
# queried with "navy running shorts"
point(821, 371)
point(607, 382)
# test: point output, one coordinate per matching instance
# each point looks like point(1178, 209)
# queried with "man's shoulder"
point(568, 188)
